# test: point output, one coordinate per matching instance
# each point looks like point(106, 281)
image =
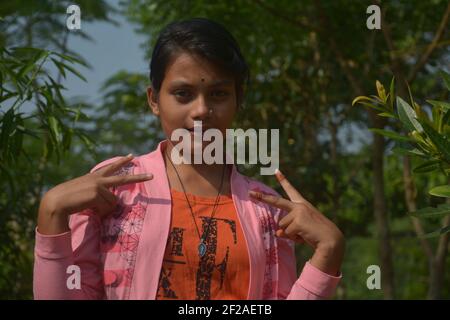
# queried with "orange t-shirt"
point(223, 272)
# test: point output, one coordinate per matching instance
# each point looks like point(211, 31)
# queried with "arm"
point(313, 284)
point(68, 232)
point(55, 253)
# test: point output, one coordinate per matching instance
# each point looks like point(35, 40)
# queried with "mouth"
point(201, 129)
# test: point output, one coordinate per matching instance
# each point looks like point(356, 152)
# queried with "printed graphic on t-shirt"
point(222, 273)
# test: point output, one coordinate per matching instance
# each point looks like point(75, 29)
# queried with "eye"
point(220, 93)
point(182, 95)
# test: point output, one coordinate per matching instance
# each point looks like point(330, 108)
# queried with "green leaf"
point(407, 116)
point(361, 98)
point(373, 106)
point(9, 176)
point(440, 191)
point(440, 141)
point(7, 128)
point(446, 77)
point(391, 134)
point(381, 91)
point(436, 117)
point(48, 149)
point(440, 104)
point(387, 115)
point(431, 212)
point(57, 89)
point(411, 99)
point(54, 128)
point(67, 139)
point(70, 58)
point(74, 71)
point(16, 145)
point(427, 166)
point(60, 67)
point(410, 152)
point(392, 94)
point(26, 69)
point(446, 118)
point(437, 233)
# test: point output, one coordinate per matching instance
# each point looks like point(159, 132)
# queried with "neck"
point(198, 179)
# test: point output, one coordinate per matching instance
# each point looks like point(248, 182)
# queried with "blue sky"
point(114, 48)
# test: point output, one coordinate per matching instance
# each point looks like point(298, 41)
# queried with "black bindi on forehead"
point(203, 80)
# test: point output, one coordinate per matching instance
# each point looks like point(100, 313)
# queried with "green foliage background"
point(308, 59)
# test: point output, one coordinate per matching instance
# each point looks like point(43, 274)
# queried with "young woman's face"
point(194, 89)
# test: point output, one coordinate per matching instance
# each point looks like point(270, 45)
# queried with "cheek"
point(227, 113)
point(224, 122)
point(169, 110)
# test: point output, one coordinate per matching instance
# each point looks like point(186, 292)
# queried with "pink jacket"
point(120, 257)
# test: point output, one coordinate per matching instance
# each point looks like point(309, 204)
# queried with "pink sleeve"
point(55, 253)
point(312, 284)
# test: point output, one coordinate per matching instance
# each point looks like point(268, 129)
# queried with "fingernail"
point(130, 155)
point(280, 177)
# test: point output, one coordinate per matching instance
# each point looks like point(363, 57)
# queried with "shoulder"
point(253, 184)
point(135, 166)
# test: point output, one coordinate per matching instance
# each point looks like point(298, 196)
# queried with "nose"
point(200, 110)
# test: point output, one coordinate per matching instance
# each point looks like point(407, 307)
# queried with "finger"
point(298, 239)
point(292, 193)
point(115, 181)
point(108, 196)
point(285, 221)
point(291, 230)
point(103, 208)
point(272, 200)
point(115, 166)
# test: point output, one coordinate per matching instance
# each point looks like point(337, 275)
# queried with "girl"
point(147, 228)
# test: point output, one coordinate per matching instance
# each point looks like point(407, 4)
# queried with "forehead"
point(192, 68)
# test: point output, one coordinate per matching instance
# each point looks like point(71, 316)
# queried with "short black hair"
point(202, 37)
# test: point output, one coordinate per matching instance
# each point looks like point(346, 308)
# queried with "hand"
point(304, 223)
point(88, 191)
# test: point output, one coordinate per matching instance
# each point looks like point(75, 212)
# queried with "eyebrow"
point(182, 83)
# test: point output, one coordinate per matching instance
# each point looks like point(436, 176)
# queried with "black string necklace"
point(201, 246)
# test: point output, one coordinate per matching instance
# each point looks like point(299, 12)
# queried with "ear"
point(152, 99)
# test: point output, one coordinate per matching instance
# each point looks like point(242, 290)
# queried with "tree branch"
point(432, 46)
point(285, 17)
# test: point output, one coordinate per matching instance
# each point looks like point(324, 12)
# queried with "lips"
point(202, 129)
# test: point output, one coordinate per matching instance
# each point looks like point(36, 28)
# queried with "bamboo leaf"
point(73, 70)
